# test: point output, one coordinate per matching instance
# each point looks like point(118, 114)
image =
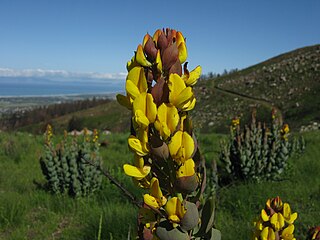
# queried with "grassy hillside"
point(290, 82)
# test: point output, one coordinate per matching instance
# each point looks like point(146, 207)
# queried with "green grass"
point(29, 212)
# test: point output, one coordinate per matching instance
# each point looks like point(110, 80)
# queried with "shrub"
point(72, 166)
point(257, 152)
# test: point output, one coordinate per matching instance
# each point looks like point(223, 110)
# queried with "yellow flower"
point(180, 95)
point(235, 122)
point(145, 110)
point(155, 199)
point(138, 170)
point(277, 221)
point(181, 44)
point(264, 216)
point(175, 210)
point(268, 234)
point(139, 144)
point(288, 216)
point(141, 58)
point(287, 233)
point(186, 169)
point(191, 78)
point(136, 82)
point(181, 146)
point(167, 120)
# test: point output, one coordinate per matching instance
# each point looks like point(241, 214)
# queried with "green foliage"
point(298, 146)
point(72, 166)
point(257, 152)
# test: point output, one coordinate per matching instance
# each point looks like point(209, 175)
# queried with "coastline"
point(22, 103)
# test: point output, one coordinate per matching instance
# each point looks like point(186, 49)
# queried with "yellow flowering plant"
point(166, 159)
point(275, 221)
point(314, 233)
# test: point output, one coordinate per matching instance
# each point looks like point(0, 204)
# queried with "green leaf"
point(207, 217)
point(215, 234)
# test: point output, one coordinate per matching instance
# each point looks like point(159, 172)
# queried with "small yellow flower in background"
point(48, 134)
point(95, 135)
point(288, 216)
point(268, 234)
point(276, 220)
point(287, 233)
point(235, 122)
point(314, 233)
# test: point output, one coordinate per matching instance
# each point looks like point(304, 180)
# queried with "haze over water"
point(14, 89)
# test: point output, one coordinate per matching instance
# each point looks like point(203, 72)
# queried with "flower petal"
point(151, 201)
point(141, 58)
point(135, 172)
point(183, 53)
point(186, 169)
point(194, 75)
point(132, 89)
point(136, 145)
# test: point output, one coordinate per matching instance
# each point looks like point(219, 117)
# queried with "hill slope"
point(290, 82)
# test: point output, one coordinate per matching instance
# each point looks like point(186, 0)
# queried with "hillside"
point(289, 82)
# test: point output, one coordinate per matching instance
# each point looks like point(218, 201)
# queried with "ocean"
point(16, 89)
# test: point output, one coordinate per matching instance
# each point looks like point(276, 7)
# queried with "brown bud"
point(150, 50)
point(162, 42)
point(160, 92)
point(170, 56)
point(176, 68)
point(187, 184)
point(158, 147)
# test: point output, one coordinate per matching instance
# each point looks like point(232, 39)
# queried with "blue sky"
point(77, 37)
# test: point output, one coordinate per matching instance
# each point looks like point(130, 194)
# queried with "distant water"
point(58, 88)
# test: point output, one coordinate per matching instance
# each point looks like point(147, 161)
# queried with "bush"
point(73, 166)
point(257, 152)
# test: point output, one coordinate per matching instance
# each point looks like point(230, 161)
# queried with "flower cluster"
point(95, 135)
point(159, 94)
point(48, 134)
point(276, 221)
point(285, 131)
point(314, 233)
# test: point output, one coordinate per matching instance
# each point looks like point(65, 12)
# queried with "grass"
point(29, 212)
